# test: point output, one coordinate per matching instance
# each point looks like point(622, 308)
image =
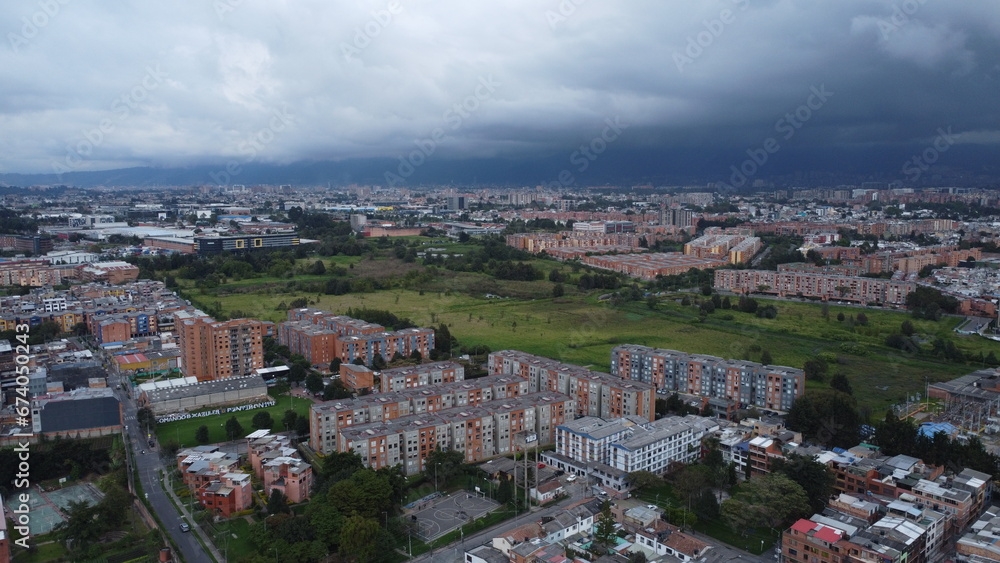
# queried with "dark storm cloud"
point(96, 86)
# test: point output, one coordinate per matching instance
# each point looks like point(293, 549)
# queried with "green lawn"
point(51, 551)
point(183, 430)
point(578, 329)
point(237, 533)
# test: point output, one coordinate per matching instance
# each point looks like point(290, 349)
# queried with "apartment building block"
point(34, 273)
point(277, 464)
point(982, 542)
point(114, 272)
point(649, 266)
point(662, 444)
point(336, 336)
point(386, 344)
point(741, 382)
point(218, 350)
point(313, 342)
point(327, 419)
point(357, 378)
point(589, 439)
point(595, 393)
point(734, 245)
point(409, 377)
point(824, 286)
point(227, 494)
point(480, 432)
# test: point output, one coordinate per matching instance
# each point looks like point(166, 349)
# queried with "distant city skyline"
point(560, 93)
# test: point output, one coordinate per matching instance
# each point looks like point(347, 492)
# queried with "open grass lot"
point(183, 430)
point(578, 329)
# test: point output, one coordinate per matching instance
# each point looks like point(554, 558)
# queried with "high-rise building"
point(212, 349)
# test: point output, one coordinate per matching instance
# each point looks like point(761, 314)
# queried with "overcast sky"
point(98, 85)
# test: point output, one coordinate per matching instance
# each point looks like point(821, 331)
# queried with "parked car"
point(185, 527)
point(571, 478)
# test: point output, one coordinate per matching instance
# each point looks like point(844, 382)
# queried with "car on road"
point(185, 527)
point(571, 478)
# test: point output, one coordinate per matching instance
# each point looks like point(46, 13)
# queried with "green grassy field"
point(183, 430)
point(578, 329)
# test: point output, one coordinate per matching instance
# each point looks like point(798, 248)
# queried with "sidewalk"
point(195, 528)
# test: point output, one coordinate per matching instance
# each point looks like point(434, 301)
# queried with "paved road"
point(149, 466)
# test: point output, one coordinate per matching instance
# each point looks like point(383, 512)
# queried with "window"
point(240, 243)
point(258, 242)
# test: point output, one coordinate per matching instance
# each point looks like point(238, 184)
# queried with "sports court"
point(82, 492)
point(450, 513)
point(44, 516)
point(45, 508)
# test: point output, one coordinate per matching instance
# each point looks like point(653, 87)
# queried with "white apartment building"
point(662, 443)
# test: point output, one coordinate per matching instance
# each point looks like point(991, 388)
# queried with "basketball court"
point(450, 513)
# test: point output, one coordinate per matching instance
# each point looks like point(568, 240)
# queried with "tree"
point(815, 369)
point(840, 317)
point(826, 416)
point(558, 290)
point(301, 426)
point(862, 319)
point(604, 532)
point(262, 419)
point(840, 383)
point(765, 358)
point(277, 503)
point(359, 539)
point(770, 500)
point(643, 479)
point(443, 465)
point(288, 419)
point(318, 268)
point(815, 478)
point(692, 480)
point(906, 327)
point(146, 419)
point(201, 434)
point(335, 366)
point(233, 428)
point(366, 493)
point(296, 373)
point(314, 383)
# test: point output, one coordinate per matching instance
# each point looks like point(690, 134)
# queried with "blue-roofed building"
point(929, 429)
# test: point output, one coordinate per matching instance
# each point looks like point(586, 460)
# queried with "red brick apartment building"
point(34, 273)
point(824, 286)
point(596, 393)
point(227, 495)
point(480, 432)
point(328, 418)
point(321, 336)
point(277, 464)
point(409, 377)
point(315, 343)
point(218, 350)
point(648, 266)
point(115, 272)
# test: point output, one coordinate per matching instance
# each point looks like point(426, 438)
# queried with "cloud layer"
point(92, 86)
